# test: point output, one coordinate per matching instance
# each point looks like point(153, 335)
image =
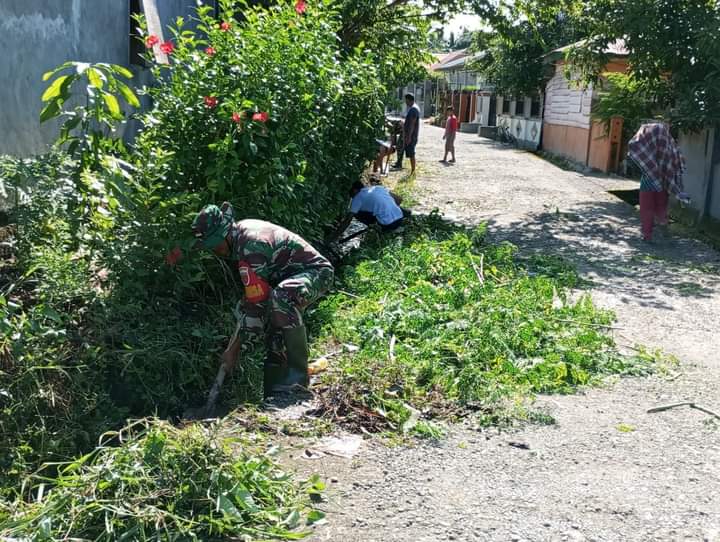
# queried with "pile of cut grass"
point(445, 321)
point(158, 482)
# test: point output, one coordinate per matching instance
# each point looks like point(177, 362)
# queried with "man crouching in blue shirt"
point(376, 205)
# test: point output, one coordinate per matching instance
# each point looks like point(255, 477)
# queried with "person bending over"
point(376, 205)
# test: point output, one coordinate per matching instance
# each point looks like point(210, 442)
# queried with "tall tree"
point(397, 31)
point(519, 34)
point(437, 42)
point(464, 40)
point(674, 52)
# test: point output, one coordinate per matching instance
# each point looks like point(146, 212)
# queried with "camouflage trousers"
point(283, 309)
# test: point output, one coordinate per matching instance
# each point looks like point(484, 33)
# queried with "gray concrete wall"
point(36, 36)
point(698, 151)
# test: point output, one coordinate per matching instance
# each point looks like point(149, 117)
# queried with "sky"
point(471, 22)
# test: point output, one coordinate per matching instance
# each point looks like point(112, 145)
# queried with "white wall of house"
point(516, 116)
point(482, 115)
point(566, 105)
point(424, 97)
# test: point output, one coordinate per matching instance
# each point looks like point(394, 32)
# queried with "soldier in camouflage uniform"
point(282, 274)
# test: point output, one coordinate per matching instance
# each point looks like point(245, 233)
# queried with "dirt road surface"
point(606, 470)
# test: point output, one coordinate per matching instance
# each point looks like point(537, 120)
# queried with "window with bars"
point(535, 106)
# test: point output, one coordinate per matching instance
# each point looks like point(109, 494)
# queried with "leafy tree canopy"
point(519, 34)
point(398, 33)
point(674, 53)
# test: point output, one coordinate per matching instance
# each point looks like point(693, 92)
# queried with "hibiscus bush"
point(264, 113)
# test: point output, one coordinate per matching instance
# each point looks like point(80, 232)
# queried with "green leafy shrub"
point(624, 96)
point(163, 483)
point(266, 114)
point(95, 326)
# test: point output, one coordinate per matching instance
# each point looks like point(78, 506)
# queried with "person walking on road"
point(451, 128)
point(662, 166)
point(411, 130)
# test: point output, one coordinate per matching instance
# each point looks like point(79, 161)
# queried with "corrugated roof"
point(616, 49)
point(446, 58)
point(459, 62)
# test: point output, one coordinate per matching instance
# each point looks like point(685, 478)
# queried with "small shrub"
point(163, 483)
point(269, 114)
point(443, 319)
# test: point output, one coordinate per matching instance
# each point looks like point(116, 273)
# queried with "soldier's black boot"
point(276, 365)
point(275, 371)
point(297, 359)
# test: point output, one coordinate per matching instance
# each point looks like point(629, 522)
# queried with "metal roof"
point(458, 62)
point(614, 49)
point(447, 58)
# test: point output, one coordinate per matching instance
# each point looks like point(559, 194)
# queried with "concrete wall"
point(519, 123)
point(36, 36)
point(483, 109)
point(569, 142)
point(700, 149)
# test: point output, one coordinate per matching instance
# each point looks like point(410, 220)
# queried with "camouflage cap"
point(212, 225)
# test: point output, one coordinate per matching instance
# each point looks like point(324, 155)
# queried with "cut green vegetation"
point(444, 321)
point(157, 482)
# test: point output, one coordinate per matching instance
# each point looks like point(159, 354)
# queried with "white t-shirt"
point(378, 201)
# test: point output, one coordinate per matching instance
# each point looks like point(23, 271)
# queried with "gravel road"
point(606, 470)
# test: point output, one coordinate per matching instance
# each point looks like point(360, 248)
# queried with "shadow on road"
point(602, 239)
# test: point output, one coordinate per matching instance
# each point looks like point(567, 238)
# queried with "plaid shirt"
point(654, 150)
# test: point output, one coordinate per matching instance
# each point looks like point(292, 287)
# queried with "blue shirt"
point(379, 201)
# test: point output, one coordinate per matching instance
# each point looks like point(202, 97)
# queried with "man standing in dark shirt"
point(411, 129)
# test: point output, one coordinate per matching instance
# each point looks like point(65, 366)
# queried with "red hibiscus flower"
point(262, 116)
point(211, 101)
point(167, 47)
point(210, 51)
point(224, 26)
point(151, 41)
point(300, 7)
point(174, 256)
point(237, 118)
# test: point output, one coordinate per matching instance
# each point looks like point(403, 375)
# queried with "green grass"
point(441, 324)
point(445, 322)
point(158, 482)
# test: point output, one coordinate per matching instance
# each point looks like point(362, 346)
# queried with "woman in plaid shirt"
point(657, 155)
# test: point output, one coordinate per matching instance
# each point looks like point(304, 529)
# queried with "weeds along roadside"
point(83, 348)
point(154, 481)
point(96, 328)
point(436, 323)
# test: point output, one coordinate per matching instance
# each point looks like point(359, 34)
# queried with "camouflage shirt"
point(267, 254)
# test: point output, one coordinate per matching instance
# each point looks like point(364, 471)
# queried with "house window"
point(535, 107)
point(520, 107)
point(505, 106)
